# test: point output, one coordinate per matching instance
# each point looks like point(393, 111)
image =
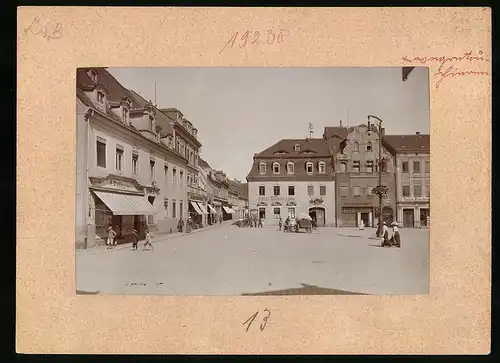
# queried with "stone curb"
point(154, 239)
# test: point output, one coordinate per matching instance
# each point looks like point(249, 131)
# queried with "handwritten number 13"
point(251, 319)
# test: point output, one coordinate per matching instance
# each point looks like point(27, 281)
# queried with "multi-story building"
point(237, 198)
point(129, 175)
point(412, 162)
point(292, 177)
point(208, 189)
point(356, 165)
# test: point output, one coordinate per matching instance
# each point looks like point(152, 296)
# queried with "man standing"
point(279, 224)
point(111, 237)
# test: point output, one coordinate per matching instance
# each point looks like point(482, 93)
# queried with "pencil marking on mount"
point(47, 29)
point(252, 318)
point(451, 62)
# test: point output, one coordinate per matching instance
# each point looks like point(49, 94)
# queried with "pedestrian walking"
point(385, 234)
point(260, 222)
point(189, 225)
point(135, 241)
point(280, 223)
point(148, 241)
point(361, 225)
point(395, 235)
point(111, 237)
point(180, 225)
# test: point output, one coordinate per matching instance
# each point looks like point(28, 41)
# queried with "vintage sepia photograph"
point(252, 181)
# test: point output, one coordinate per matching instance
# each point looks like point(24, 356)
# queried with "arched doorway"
point(318, 213)
point(387, 215)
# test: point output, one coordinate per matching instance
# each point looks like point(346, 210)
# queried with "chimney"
point(369, 126)
point(340, 123)
point(382, 131)
point(417, 133)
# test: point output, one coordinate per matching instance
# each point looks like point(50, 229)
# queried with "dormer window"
point(262, 167)
point(355, 147)
point(100, 97)
point(125, 114)
point(321, 167)
point(290, 168)
point(297, 147)
point(368, 146)
point(276, 168)
point(309, 167)
point(93, 75)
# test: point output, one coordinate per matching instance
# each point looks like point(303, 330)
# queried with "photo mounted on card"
point(253, 180)
point(312, 193)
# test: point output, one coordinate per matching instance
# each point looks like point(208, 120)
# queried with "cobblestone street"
point(234, 261)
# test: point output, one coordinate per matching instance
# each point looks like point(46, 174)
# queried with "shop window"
point(405, 167)
point(291, 190)
point(322, 190)
point(277, 212)
point(321, 167)
point(262, 213)
point(262, 190)
point(101, 153)
point(119, 158)
point(406, 190)
point(310, 190)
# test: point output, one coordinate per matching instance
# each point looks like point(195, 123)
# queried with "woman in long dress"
point(395, 235)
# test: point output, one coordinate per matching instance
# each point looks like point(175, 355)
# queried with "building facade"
point(412, 174)
point(129, 176)
point(293, 177)
point(357, 174)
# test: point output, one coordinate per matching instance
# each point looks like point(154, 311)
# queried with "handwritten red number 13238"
point(256, 37)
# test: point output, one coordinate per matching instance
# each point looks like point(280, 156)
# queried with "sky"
point(242, 111)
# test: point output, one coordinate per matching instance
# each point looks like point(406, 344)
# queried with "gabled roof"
point(286, 148)
point(161, 118)
point(338, 132)
point(400, 144)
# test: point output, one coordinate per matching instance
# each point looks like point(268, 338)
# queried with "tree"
point(380, 191)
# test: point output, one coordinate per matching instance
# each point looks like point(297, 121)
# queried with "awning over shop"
point(196, 208)
point(125, 204)
point(202, 208)
point(212, 209)
point(228, 210)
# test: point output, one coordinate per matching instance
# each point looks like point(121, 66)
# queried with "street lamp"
point(380, 189)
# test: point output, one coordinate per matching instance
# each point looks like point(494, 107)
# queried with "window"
point(174, 176)
point(291, 212)
point(125, 115)
point(290, 168)
point(135, 159)
point(181, 176)
point(417, 191)
point(355, 147)
point(276, 190)
point(100, 97)
point(427, 166)
point(195, 181)
point(93, 75)
point(383, 166)
point(165, 171)
point(262, 167)
point(151, 218)
point(406, 190)
point(262, 213)
point(152, 169)
point(355, 166)
point(356, 191)
point(174, 214)
point(343, 167)
point(321, 166)
point(369, 191)
point(262, 190)
point(119, 158)
point(405, 166)
point(368, 146)
point(101, 153)
point(344, 191)
point(309, 167)
point(322, 190)
point(428, 188)
point(369, 166)
point(291, 190)
point(277, 213)
point(276, 168)
point(296, 147)
point(310, 190)
point(165, 206)
point(416, 166)
point(180, 209)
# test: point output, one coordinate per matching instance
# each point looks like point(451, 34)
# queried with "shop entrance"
point(424, 217)
point(318, 214)
point(408, 218)
point(365, 217)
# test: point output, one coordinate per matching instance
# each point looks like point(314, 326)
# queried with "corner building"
point(292, 177)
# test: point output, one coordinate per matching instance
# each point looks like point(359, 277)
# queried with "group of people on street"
point(253, 221)
point(395, 240)
point(112, 240)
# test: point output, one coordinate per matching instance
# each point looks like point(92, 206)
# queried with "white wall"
point(301, 197)
point(81, 175)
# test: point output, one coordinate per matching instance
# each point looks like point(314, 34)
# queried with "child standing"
point(148, 240)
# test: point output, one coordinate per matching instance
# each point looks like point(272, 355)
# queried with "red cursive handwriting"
point(451, 71)
point(254, 37)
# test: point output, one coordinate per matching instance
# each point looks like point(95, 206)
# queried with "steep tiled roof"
point(338, 132)
point(161, 119)
point(407, 143)
point(286, 148)
point(203, 163)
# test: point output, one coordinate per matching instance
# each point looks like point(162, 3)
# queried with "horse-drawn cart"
point(302, 222)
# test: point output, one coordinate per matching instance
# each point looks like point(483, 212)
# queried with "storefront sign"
point(275, 198)
point(117, 184)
